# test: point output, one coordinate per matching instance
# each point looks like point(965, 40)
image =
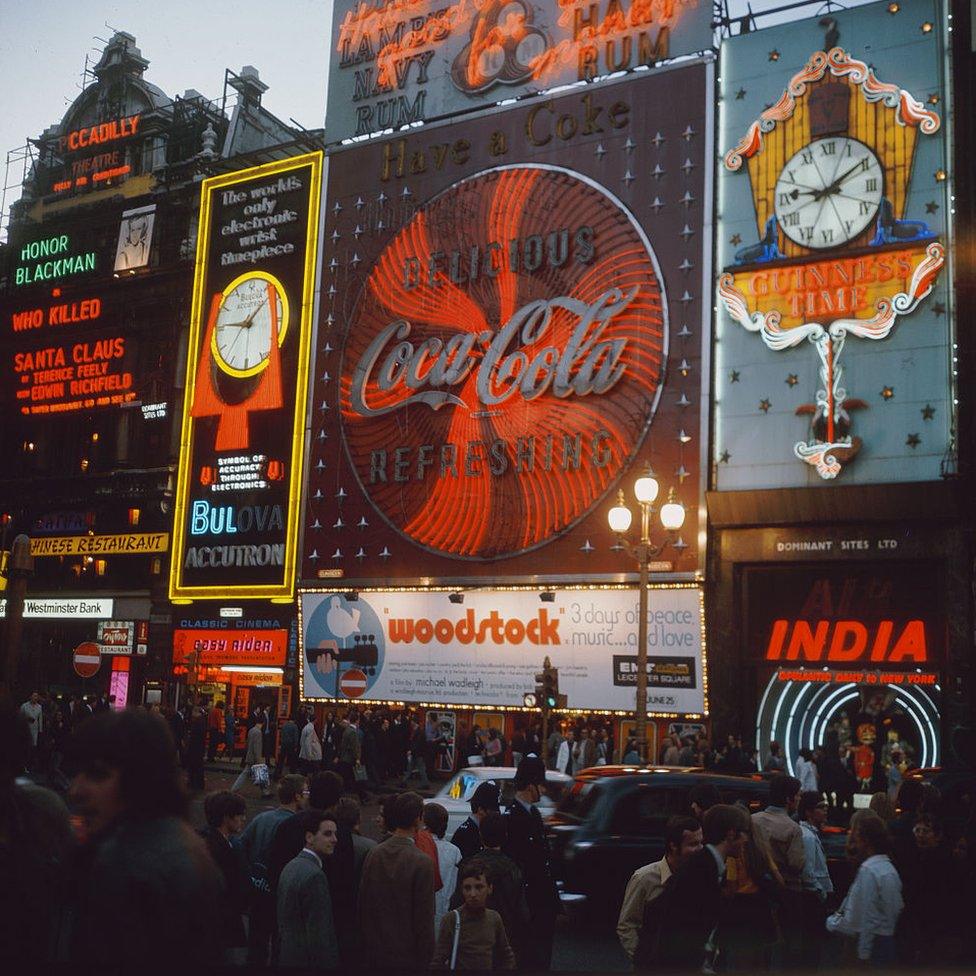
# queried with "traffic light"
point(540, 690)
point(547, 695)
point(550, 688)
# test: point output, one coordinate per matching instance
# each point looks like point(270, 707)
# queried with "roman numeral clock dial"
point(829, 192)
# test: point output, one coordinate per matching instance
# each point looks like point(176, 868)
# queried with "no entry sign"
point(353, 683)
point(87, 659)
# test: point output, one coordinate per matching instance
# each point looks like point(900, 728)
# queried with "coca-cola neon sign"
point(587, 364)
point(492, 393)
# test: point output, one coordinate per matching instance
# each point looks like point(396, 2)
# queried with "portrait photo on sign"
point(135, 238)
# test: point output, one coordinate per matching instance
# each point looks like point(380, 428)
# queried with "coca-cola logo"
point(504, 363)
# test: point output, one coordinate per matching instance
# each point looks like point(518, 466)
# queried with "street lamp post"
point(672, 518)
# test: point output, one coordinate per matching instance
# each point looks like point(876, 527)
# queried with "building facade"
point(96, 297)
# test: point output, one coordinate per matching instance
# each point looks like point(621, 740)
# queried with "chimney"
point(248, 85)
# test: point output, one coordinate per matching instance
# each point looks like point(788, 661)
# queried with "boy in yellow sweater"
point(473, 937)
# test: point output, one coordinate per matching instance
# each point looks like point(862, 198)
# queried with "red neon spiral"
point(486, 516)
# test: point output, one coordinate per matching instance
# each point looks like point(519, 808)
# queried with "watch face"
point(253, 307)
point(829, 192)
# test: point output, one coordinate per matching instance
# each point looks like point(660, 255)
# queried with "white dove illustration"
point(342, 623)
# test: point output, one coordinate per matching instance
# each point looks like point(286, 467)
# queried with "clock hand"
point(836, 184)
point(247, 322)
point(240, 332)
point(840, 179)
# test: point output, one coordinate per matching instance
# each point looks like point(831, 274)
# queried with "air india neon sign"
point(847, 641)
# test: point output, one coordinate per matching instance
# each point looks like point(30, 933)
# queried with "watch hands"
point(247, 322)
point(836, 184)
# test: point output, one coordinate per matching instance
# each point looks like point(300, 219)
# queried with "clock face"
point(829, 192)
point(253, 308)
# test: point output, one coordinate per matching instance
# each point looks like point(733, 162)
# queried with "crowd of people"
point(299, 885)
point(302, 885)
point(741, 892)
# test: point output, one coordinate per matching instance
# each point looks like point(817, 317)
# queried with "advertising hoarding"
point(400, 61)
point(833, 361)
point(69, 347)
point(512, 325)
point(238, 647)
point(116, 636)
point(235, 522)
point(848, 656)
point(420, 647)
point(95, 154)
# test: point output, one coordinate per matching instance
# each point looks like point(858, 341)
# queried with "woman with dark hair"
point(143, 885)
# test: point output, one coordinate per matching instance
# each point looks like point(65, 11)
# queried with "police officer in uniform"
point(484, 800)
point(528, 848)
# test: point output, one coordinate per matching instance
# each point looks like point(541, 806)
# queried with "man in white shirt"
point(448, 859)
point(806, 772)
point(815, 880)
point(870, 911)
point(33, 711)
point(682, 838)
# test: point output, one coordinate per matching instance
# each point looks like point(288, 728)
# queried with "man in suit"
point(396, 893)
point(484, 800)
point(687, 911)
point(305, 927)
point(350, 754)
point(527, 847)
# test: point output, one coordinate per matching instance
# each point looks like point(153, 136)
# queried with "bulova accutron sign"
point(844, 173)
point(497, 340)
point(235, 524)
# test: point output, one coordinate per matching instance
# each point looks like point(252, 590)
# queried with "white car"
point(455, 795)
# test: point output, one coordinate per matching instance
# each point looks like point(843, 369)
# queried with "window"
point(752, 800)
point(580, 800)
point(645, 811)
point(463, 786)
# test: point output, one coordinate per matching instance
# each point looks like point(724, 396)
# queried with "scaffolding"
point(19, 166)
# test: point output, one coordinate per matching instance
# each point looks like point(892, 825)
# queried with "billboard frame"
point(179, 592)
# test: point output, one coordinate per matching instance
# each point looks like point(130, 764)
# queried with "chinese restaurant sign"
point(131, 544)
point(240, 462)
point(420, 647)
point(400, 61)
point(834, 325)
point(512, 322)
